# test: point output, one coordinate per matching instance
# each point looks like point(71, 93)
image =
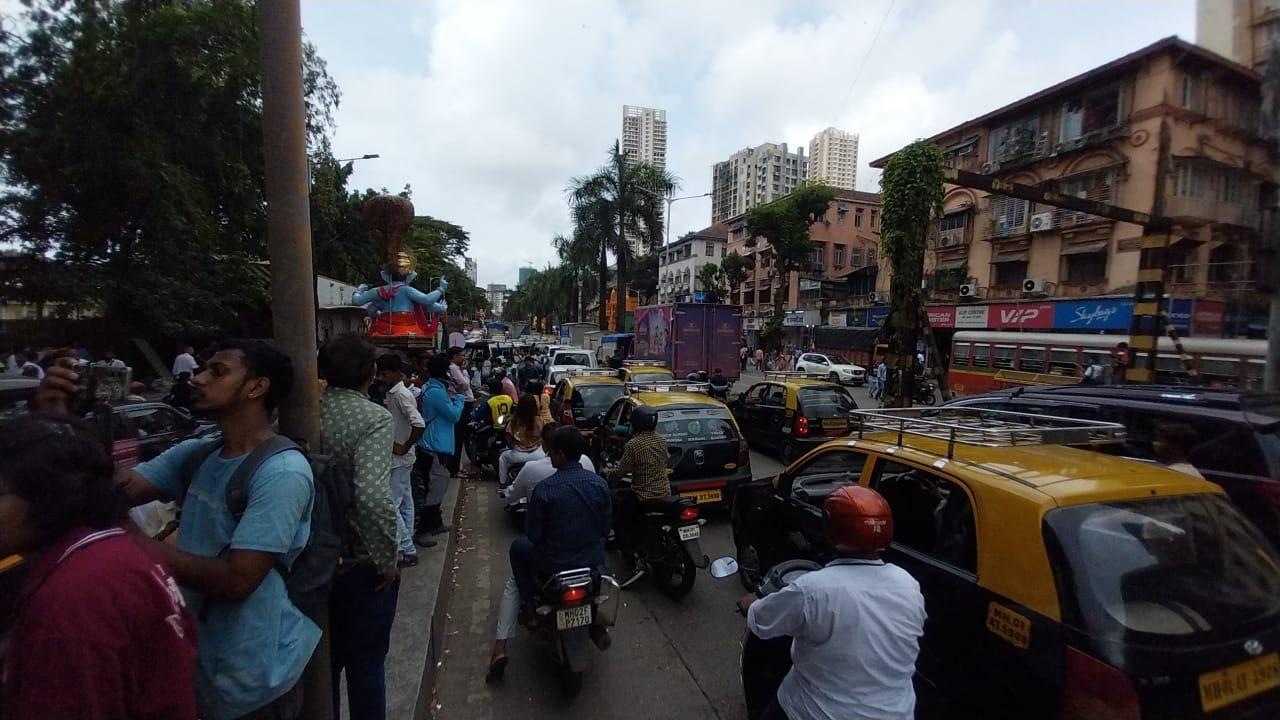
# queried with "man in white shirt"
point(856, 624)
point(407, 427)
point(109, 359)
point(185, 362)
point(1170, 447)
point(456, 338)
point(535, 471)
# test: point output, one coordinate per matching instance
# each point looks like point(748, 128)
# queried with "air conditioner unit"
point(950, 239)
point(969, 290)
point(987, 168)
point(1040, 222)
point(1035, 286)
point(875, 297)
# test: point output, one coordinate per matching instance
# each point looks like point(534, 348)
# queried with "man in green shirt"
point(362, 604)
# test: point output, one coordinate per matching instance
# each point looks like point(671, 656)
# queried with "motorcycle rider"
point(719, 384)
point(856, 623)
point(567, 521)
point(645, 459)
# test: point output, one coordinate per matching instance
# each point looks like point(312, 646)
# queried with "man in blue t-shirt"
point(253, 642)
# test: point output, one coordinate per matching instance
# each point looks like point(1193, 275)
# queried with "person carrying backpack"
point(238, 536)
point(362, 604)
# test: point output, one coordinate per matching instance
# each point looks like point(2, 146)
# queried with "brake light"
point(566, 416)
point(546, 389)
point(574, 594)
point(802, 425)
point(1094, 690)
point(689, 513)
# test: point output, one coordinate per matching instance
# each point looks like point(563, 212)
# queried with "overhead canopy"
point(1011, 257)
point(1097, 246)
point(951, 264)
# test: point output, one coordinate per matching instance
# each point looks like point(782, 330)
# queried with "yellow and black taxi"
point(793, 412)
point(707, 457)
point(1059, 582)
point(644, 371)
point(583, 395)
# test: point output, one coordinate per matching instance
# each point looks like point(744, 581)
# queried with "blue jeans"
point(402, 498)
point(360, 635)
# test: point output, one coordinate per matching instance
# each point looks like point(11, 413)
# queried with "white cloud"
point(488, 108)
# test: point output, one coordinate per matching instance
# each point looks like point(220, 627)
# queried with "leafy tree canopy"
point(784, 224)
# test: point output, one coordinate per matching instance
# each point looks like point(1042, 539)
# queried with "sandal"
point(497, 666)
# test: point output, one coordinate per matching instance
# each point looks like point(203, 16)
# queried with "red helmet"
point(859, 521)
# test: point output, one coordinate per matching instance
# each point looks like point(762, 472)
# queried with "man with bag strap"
point(240, 534)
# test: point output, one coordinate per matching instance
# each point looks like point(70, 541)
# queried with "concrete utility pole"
point(293, 288)
point(1268, 274)
point(284, 144)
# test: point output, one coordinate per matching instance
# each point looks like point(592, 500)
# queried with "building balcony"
point(1086, 288)
point(1013, 292)
point(1213, 211)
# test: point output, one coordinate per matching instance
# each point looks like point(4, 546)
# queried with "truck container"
point(575, 334)
point(690, 337)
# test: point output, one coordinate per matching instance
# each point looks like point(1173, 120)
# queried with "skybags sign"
point(1093, 315)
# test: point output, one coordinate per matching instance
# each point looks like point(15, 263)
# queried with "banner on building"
point(838, 319)
point(1021, 316)
point(1206, 317)
point(793, 318)
point(1086, 315)
point(876, 316)
point(941, 316)
point(972, 316)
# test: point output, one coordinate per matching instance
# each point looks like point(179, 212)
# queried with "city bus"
point(984, 360)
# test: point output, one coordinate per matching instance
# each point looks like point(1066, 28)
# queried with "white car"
point(833, 367)
point(564, 360)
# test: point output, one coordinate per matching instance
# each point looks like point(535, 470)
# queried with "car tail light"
point(546, 389)
point(574, 594)
point(566, 416)
point(1094, 690)
point(744, 454)
point(802, 425)
point(689, 513)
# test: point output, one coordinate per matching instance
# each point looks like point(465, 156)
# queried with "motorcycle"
point(485, 442)
point(764, 662)
point(574, 609)
point(669, 545)
point(926, 392)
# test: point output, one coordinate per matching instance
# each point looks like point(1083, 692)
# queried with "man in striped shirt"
point(645, 460)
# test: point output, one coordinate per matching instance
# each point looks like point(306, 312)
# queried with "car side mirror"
point(723, 567)
point(622, 430)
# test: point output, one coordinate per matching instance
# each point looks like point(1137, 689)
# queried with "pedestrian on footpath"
point(441, 406)
point(461, 385)
point(742, 357)
point(407, 427)
point(96, 608)
point(362, 602)
point(231, 567)
point(185, 361)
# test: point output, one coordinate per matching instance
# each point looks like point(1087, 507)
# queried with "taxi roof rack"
point(643, 363)
point(593, 372)
point(785, 374)
point(668, 386)
point(986, 428)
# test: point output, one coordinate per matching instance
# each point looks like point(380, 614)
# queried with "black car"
point(1238, 434)
point(791, 414)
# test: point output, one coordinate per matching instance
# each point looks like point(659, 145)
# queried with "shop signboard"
point(941, 316)
point(1206, 317)
point(876, 316)
point(838, 319)
point(1092, 315)
point(1021, 316)
point(972, 316)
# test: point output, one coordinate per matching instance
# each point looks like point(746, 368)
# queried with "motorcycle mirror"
point(724, 567)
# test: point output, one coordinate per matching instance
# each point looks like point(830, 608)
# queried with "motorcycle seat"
point(665, 506)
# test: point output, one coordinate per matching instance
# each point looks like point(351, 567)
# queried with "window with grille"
point(838, 259)
point(1010, 274)
point(857, 217)
point(1086, 267)
point(855, 257)
point(1092, 112)
point(1096, 185)
point(871, 256)
point(1009, 215)
point(953, 221)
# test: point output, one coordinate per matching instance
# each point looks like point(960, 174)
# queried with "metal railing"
point(593, 372)
point(643, 363)
point(985, 428)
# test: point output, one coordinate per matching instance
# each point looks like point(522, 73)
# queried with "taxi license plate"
point(1233, 684)
point(573, 618)
point(704, 496)
point(690, 532)
point(834, 424)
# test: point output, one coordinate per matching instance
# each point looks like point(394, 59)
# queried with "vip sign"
point(1025, 315)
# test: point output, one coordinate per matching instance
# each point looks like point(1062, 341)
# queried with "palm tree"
point(592, 224)
point(626, 197)
point(576, 254)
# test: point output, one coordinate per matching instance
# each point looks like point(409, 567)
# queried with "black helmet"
point(644, 418)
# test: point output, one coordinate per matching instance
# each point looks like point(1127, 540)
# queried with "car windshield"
point(580, 359)
point(838, 360)
point(696, 425)
point(825, 402)
point(1175, 566)
point(595, 398)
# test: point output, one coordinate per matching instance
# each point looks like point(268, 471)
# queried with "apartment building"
point(497, 295)
point(833, 158)
point(754, 176)
point(472, 270)
point(678, 264)
point(844, 260)
point(1171, 129)
point(1244, 31)
point(644, 138)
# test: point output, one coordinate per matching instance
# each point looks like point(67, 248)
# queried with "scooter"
point(485, 442)
point(764, 662)
point(574, 610)
point(925, 392)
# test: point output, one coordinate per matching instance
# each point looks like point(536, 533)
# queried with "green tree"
point(711, 282)
point(625, 195)
point(593, 227)
point(784, 224)
point(131, 153)
point(912, 196)
point(576, 255)
point(735, 269)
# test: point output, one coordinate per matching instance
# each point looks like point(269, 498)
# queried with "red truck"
point(690, 337)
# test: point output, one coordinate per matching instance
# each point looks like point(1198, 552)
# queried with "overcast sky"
point(487, 108)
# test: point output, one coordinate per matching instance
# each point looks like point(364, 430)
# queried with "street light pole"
point(669, 201)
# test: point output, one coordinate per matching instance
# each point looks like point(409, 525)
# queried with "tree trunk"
point(620, 313)
point(780, 292)
point(903, 322)
point(604, 287)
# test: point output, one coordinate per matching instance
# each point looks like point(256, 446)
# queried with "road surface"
point(669, 659)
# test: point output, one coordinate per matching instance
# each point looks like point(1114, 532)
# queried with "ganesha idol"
point(396, 309)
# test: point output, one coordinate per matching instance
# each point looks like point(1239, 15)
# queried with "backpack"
point(309, 579)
